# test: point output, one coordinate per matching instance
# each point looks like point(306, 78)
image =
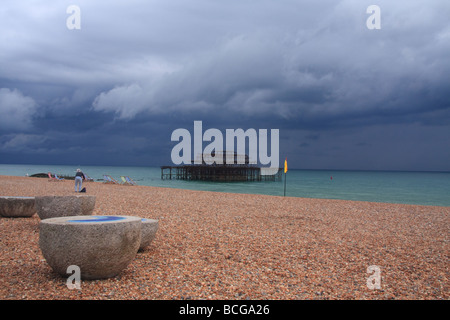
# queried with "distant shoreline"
point(290, 168)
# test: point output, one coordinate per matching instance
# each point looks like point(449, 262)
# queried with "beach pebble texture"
point(52, 206)
point(14, 207)
point(149, 229)
point(100, 246)
point(213, 245)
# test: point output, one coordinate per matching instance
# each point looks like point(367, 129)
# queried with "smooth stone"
point(149, 228)
point(101, 246)
point(64, 206)
point(17, 207)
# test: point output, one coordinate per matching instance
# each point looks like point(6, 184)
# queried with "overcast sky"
point(111, 93)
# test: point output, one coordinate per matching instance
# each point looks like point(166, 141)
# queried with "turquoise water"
point(425, 188)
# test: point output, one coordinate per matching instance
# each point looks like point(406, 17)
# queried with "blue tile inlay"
point(98, 219)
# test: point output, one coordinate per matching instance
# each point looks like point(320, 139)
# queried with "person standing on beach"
point(79, 177)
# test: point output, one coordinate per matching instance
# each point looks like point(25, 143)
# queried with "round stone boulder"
point(101, 246)
point(17, 207)
point(149, 228)
point(64, 206)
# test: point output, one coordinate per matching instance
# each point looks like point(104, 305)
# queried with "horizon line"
point(298, 169)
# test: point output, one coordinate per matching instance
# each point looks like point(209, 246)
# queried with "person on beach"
point(79, 177)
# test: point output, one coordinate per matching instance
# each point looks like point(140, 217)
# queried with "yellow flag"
point(285, 166)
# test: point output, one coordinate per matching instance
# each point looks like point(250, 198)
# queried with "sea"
point(421, 188)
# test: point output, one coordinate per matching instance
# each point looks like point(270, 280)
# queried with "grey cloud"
point(314, 73)
point(311, 69)
point(22, 142)
point(16, 110)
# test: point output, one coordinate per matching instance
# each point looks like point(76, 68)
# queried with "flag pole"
point(285, 170)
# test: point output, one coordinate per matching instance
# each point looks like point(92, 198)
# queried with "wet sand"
point(232, 246)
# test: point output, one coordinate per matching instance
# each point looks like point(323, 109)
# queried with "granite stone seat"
point(101, 246)
point(149, 228)
point(63, 206)
point(17, 207)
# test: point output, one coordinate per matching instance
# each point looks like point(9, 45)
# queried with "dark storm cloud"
point(340, 93)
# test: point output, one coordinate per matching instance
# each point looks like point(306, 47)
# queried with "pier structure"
point(214, 167)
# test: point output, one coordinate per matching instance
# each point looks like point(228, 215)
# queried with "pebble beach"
point(224, 246)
